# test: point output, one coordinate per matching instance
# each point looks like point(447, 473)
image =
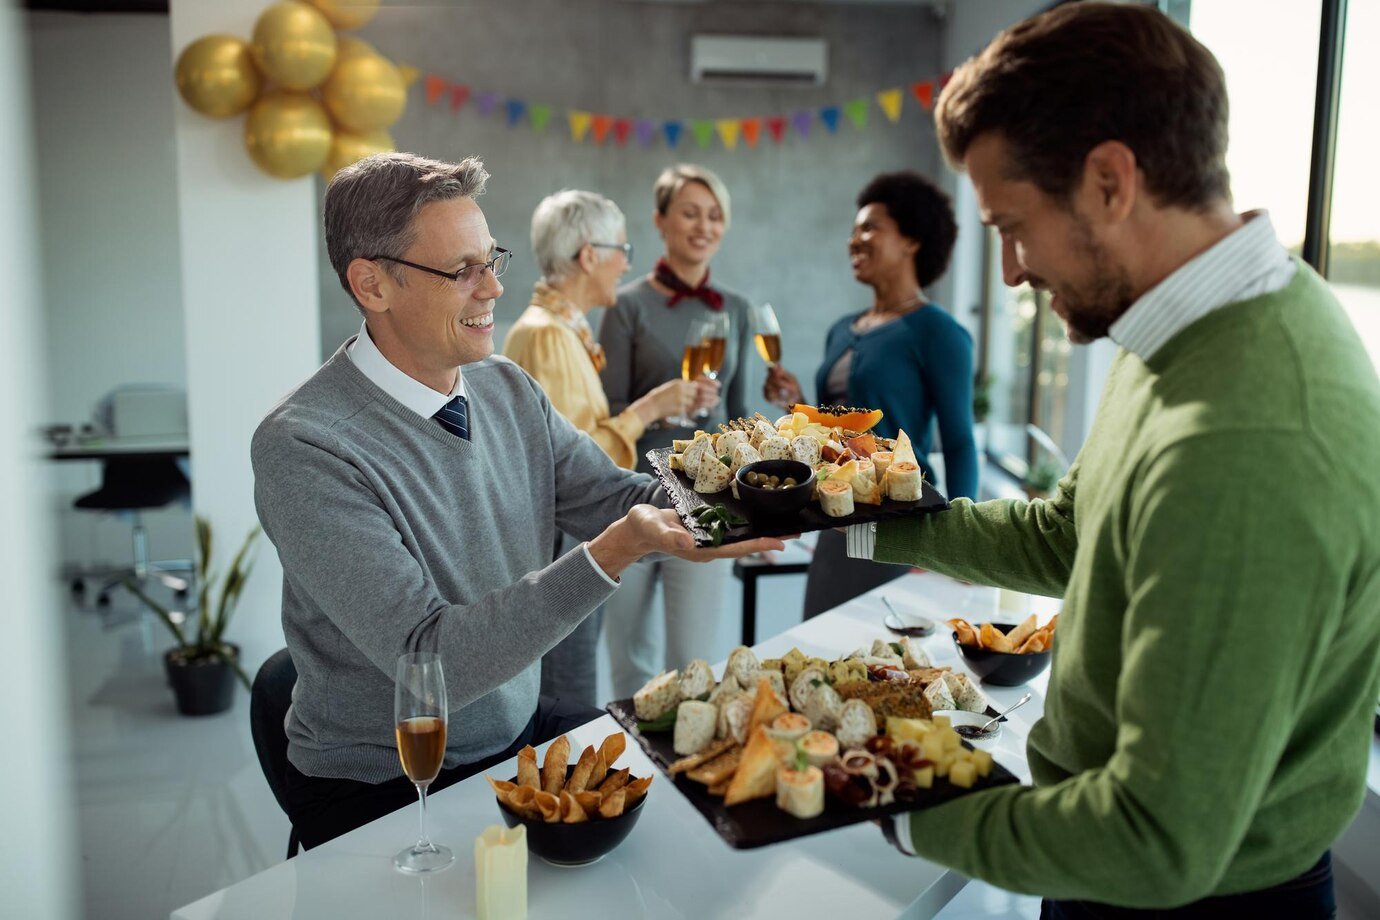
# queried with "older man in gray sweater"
point(413, 487)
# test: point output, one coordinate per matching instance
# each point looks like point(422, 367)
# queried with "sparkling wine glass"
point(419, 715)
point(692, 362)
point(766, 333)
point(716, 331)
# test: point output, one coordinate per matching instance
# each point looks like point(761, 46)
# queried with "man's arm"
point(1230, 578)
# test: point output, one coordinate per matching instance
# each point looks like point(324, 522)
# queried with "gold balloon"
point(365, 93)
point(347, 46)
point(347, 148)
point(294, 45)
point(288, 134)
point(216, 75)
point(347, 14)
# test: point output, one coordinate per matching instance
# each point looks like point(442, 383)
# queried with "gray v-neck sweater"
point(397, 536)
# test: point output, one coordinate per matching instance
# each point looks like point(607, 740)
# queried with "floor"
point(172, 808)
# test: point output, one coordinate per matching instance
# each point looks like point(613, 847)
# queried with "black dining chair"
point(269, 700)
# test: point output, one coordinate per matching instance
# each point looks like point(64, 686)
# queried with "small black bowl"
point(574, 844)
point(1004, 669)
point(766, 503)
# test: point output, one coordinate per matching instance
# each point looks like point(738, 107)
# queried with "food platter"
point(760, 823)
point(687, 501)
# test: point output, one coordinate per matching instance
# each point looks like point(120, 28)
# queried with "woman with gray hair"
point(580, 241)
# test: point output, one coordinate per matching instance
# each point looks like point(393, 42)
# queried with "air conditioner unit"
point(758, 59)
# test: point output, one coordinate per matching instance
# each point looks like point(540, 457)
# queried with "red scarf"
point(682, 291)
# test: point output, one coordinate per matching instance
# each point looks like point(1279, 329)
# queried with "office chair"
point(133, 485)
point(269, 700)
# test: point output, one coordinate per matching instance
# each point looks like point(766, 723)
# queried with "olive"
point(789, 482)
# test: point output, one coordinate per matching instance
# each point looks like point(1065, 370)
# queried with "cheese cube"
point(963, 774)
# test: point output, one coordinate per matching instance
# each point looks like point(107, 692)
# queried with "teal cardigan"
point(917, 370)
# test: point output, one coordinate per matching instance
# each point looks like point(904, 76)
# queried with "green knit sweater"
point(1217, 546)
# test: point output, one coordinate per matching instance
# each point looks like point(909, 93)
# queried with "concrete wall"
point(792, 204)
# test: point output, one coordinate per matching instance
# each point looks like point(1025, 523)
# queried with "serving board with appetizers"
point(784, 748)
point(853, 476)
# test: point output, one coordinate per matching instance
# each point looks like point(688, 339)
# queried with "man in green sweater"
point(1217, 540)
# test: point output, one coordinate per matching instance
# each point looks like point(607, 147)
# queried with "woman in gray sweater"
point(644, 339)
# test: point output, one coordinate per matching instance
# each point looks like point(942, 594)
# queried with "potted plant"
point(202, 668)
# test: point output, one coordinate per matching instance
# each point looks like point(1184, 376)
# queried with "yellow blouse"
point(541, 344)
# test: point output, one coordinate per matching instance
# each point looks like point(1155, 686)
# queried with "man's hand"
point(647, 529)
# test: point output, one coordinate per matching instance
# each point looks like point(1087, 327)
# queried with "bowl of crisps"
point(575, 814)
point(1005, 654)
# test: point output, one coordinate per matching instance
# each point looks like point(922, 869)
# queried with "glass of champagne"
point(716, 330)
point(419, 716)
point(692, 362)
point(766, 333)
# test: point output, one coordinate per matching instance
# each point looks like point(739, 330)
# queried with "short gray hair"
point(371, 204)
point(675, 178)
point(564, 222)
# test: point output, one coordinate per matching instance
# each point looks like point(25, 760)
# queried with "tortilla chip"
point(637, 788)
point(527, 774)
point(612, 805)
point(719, 789)
point(572, 812)
point(613, 747)
point(579, 780)
point(553, 770)
point(694, 760)
point(548, 805)
point(613, 782)
point(1036, 643)
point(1022, 632)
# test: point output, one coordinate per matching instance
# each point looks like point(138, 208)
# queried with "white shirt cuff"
point(901, 824)
point(613, 582)
point(861, 540)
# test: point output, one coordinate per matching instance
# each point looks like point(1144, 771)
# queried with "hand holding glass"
point(419, 715)
point(692, 362)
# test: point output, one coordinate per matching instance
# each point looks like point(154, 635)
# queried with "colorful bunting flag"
point(776, 125)
point(646, 132)
point(579, 126)
point(539, 116)
point(856, 110)
point(829, 114)
point(801, 122)
point(515, 108)
point(924, 93)
point(458, 95)
point(672, 129)
point(602, 123)
point(622, 127)
point(703, 129)
point(890, 101)
point(487, 102)
point(435, 86)
point(752, 129)
point(728, 132)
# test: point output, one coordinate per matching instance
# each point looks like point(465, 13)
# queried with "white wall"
point(108, 236)
point(37, 830)
point(251, 310)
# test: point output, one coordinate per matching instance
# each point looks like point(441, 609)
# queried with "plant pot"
point(202, 686)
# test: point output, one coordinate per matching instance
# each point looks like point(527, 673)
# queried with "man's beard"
point(1090, 311)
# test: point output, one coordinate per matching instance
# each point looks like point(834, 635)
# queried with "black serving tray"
point(760, 823)
point(686, 500)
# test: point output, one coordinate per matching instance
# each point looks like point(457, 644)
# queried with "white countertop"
point(673, 864)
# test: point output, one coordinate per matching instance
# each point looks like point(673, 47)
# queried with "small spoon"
point(893, 622)
point(1001, 715)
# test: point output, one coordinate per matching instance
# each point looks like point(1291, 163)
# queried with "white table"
point(673, 864)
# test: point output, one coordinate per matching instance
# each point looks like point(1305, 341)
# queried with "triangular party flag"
point(801, 122)
point(672, 129)
point(487, 102)
point(579, 125)
point(890, 101)
point(752, 129)
point(408, 73)
point(435, 87)
point(728, 131)
point(539, 115)
point(646, 131)
point(621, 129)
point(458, 95)
point(924, 93)
point(515, 108)
point(703, 129)
point(856, 110)
point(829, 114)
point(602, 123)
point(776, 125)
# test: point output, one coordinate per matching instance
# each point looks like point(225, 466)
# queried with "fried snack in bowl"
point(568, 821)
point(995, 661)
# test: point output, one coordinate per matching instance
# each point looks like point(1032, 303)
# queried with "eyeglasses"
point(626, 247)
point(466, 276)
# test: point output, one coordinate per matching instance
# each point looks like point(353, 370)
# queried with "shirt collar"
point(1246, 263)
point(413, 394)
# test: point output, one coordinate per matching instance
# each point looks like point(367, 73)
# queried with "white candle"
point(500, 868)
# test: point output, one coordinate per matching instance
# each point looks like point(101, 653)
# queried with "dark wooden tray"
point(686, 500)
point(760, 823)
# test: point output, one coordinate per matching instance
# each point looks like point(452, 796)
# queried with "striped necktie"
point(455, 418)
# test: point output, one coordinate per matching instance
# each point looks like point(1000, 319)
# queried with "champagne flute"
point(692, 362)
point(716, 330)
point(419, 711)
point(766, 333)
